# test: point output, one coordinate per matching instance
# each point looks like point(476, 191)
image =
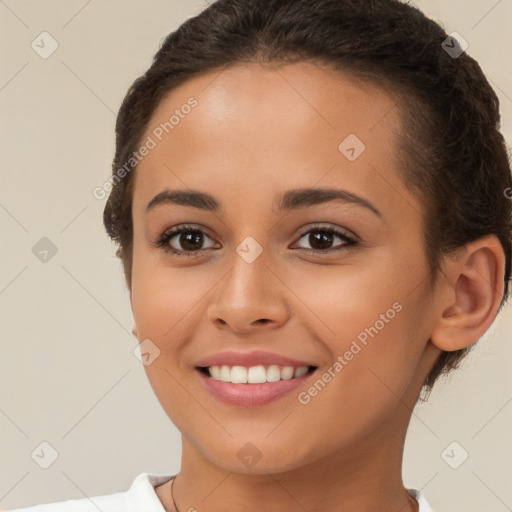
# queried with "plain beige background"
point(68, 373)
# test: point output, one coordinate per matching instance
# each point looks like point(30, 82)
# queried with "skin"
point(258, 131)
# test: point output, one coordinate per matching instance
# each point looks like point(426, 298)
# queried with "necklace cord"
point(172, 495)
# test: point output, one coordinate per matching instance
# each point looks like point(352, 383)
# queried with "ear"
point(470, 290)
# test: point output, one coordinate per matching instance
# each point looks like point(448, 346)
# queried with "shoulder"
point(140, 494)
point(424, 505)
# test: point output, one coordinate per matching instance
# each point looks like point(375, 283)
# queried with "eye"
point(190, 239)
point(321, 239)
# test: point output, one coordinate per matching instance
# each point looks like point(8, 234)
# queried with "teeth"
point(255, 374)
point(239, 375)
point(225, 374)
point(273, 373)
point(302, 370)
point(287, 373)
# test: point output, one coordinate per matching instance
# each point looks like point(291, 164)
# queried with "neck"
point(364, 478)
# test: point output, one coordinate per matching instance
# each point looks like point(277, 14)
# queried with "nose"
point(249, 298)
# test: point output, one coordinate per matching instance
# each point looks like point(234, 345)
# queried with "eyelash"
point(168, 235)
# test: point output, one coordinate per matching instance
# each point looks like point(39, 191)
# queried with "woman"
point(309, 201)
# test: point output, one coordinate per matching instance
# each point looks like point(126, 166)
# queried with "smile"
point(255, 374)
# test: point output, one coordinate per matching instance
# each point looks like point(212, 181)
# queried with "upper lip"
point(253, 358)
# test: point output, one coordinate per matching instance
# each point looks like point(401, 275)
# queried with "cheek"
point(162, 296)
point(162, 302)
point(344, 301)
point(370, 320)
point(373, 364)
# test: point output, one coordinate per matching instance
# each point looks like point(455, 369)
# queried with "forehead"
point(261, 128)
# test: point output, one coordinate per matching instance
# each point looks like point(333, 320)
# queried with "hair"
point(452, 155)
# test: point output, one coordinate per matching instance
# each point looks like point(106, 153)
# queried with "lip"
point(251, 395)
point(253, 358)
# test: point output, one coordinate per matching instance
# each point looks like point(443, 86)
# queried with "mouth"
point(250, 386)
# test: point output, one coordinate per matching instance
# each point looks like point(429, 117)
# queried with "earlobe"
point(470, 292)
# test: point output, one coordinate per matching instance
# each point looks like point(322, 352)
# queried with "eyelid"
point(329, 227)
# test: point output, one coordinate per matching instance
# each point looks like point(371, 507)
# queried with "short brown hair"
point(453, 155)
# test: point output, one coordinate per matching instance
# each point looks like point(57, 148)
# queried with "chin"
point(258, 457)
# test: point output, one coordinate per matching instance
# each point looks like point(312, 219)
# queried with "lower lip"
point(251, 395)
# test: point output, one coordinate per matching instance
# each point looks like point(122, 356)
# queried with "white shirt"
point(141, 497)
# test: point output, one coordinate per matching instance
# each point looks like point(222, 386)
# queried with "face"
point(337, 281)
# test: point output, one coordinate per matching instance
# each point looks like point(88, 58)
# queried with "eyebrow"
point(290, 200)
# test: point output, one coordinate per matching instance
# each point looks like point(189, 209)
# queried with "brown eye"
point(184, 241)
point(322, 240)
